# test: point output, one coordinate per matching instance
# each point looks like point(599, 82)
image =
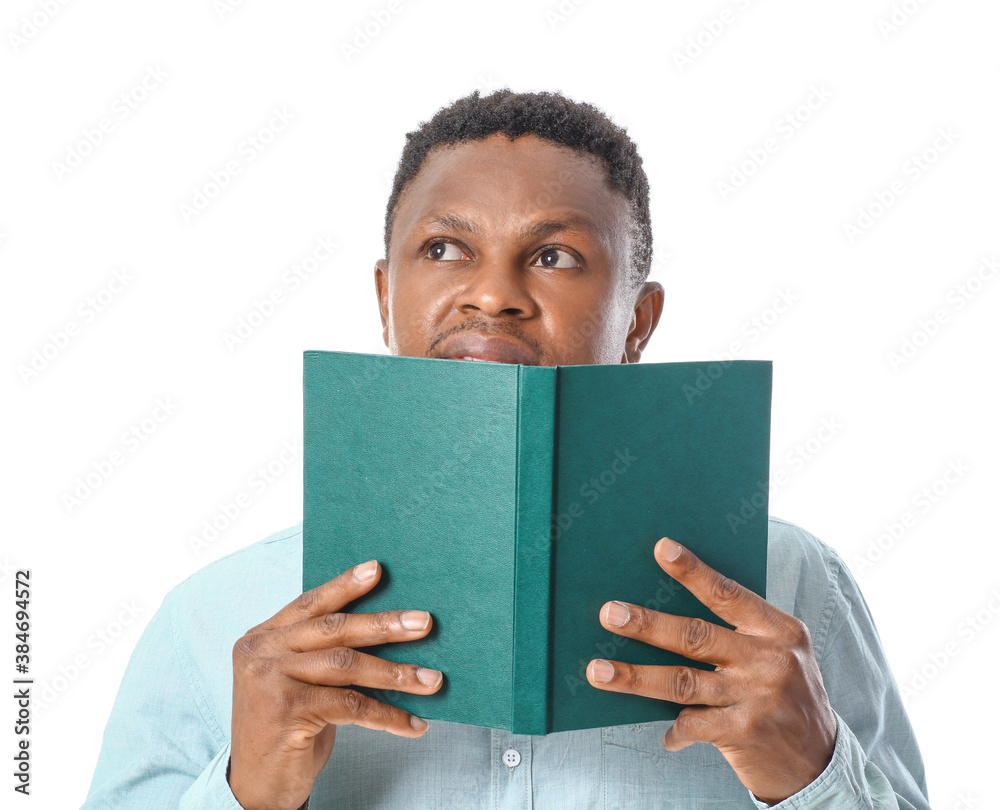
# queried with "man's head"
point(518, 230)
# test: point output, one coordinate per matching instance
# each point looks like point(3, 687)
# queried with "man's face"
point(516, 252)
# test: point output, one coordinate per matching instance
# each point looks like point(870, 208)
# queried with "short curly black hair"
point(548, 115)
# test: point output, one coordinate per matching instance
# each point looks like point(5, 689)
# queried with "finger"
point(726, 598)
point(677, 684)
point(329, 597)
point(343, 630)
point(691, 637)
point(693, 725)
point(343, 666)
point(349, 707)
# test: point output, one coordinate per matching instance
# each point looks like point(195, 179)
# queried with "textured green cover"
point(512, 501)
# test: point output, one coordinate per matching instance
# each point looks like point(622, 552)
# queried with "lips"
point(469, 346)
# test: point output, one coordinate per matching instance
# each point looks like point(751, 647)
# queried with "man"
point(517, 231)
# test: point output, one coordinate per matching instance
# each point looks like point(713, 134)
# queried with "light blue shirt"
point(167, 742)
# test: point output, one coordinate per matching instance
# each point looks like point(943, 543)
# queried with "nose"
point(496, 287)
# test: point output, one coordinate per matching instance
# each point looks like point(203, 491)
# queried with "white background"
point(723, 258)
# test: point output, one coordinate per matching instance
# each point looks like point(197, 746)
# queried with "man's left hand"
point(764, 706)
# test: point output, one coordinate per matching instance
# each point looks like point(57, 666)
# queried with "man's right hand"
point(289, 687)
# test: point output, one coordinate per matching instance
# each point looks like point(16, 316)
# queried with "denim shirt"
point(167, 741)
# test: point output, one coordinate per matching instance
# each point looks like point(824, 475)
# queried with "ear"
point(645, 317)
point(382, 291)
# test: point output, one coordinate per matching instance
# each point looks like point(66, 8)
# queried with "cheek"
point(589, 335)
point(414, 312)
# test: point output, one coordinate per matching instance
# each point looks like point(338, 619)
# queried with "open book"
point(512, 502)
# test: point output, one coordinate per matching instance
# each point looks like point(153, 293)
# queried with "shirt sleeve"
point(850, 782)
point(162, 747)
point(876, 763)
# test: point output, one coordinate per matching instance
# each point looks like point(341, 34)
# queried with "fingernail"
point(668, 550)
point(417, 724)
point(365, 571)
point(616, 614)
point(414, 619)
point(601, 671)
point(428, 677)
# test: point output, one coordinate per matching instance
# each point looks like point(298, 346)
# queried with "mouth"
point(494, 349)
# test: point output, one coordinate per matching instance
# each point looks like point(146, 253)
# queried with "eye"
point(558, 258)
point(445, 252)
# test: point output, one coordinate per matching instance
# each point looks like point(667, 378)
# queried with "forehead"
point(502, 183)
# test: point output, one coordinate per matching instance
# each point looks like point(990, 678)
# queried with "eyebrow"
point(538, 230)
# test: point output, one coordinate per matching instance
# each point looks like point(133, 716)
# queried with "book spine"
point(530, 698)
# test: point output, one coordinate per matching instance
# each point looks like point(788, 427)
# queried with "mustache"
point(484, 327)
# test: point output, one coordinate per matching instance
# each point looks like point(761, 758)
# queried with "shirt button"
point(511, 758)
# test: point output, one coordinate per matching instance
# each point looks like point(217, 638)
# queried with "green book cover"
point(512, 501)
